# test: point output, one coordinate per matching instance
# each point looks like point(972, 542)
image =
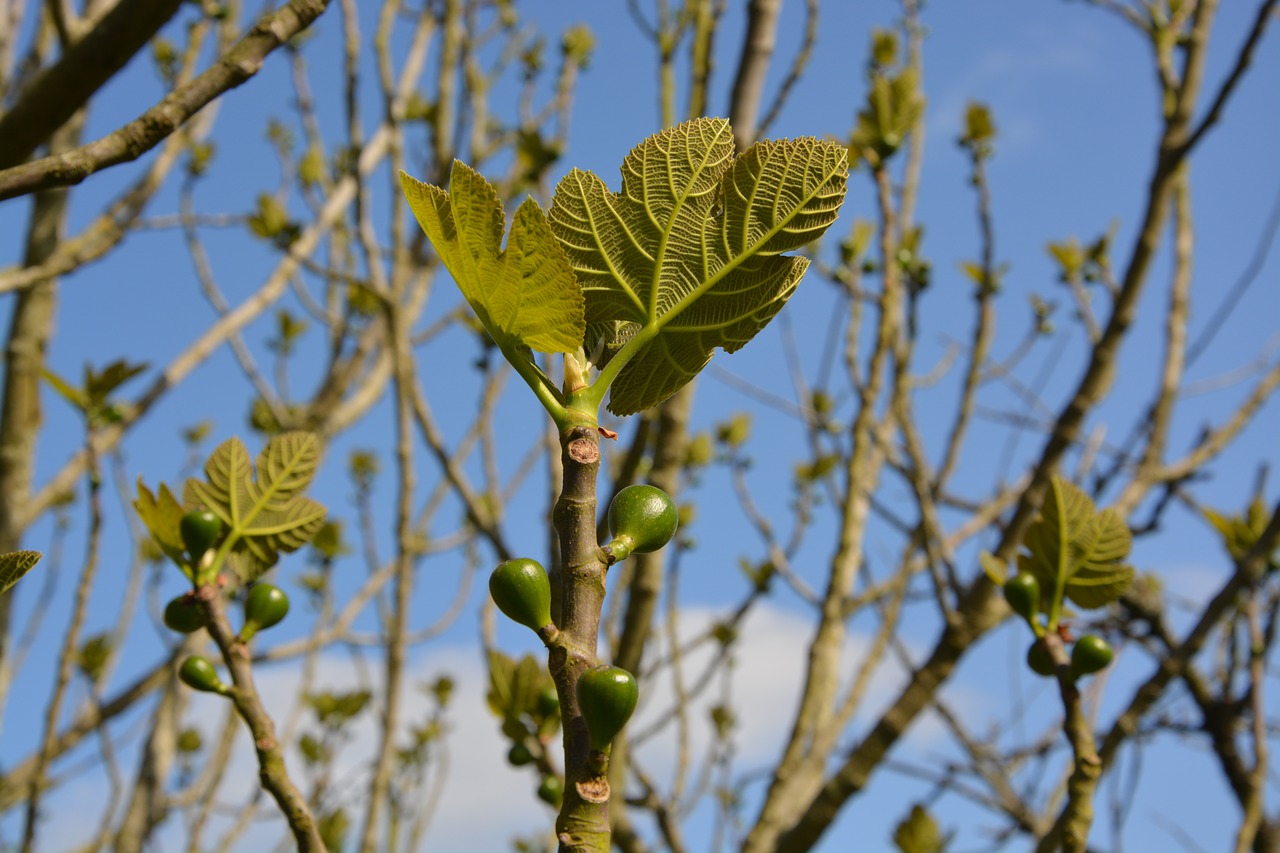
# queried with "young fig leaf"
point(14, 565)
point(526, 295)
point(688, 256)
point(266, 514)
point(1075, 547)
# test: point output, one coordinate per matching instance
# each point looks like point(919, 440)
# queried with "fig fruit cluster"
point(1089, 654)
point(264, 606)
point(642, 519)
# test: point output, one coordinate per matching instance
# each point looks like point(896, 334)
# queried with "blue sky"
point(1074, 98)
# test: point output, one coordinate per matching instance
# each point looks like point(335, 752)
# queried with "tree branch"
point(143, 133)
point(53, 96)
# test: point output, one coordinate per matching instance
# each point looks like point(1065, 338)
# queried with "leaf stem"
point(1055, 505)
point(537, 381)
point(593, 394)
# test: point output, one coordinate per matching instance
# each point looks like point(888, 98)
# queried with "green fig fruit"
point(607, 696)
point(184, 614)
point(1022, 591)
point(519, 755)
point(522, 591)
point(198, 674)
point(551, 791)
point(264, 606)
point(1038, 659)
point(200, 529)
point(645, 515)
point(1090, 654)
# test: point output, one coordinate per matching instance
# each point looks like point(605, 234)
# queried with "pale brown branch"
point(753, 66)
point(798, 65)
point(1244, 58)
point(49, 100)
point(132, 140)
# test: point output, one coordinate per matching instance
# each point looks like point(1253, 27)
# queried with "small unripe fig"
point(1039, 660)
point(644, 514)
point(607, 696)
point(264, 606)
point(522, 591)
point(200, 529)
point(198, 674)
point(551, 791)
point(1022, 591)
point(184, 615)
point(1090, 654)
point(519, 755)
point(548, 702)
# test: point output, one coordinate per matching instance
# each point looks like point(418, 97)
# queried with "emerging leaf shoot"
point(688, 256)
point(267, 514)
point(1077, 551)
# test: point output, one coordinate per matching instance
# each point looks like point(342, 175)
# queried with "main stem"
point(577, 592)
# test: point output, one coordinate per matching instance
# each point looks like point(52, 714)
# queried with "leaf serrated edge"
point(14, 566)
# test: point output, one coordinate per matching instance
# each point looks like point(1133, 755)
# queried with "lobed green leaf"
point(525, 296)
point(687, 257)
point(268, 515)
point(1073, 542)
point(162, 514)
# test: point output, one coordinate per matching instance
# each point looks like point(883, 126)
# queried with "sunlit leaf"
point(266, 515)
point(525, 296)
point(1240, 531)
point(687, 257)
point(161, 514)
point(1071, 541)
